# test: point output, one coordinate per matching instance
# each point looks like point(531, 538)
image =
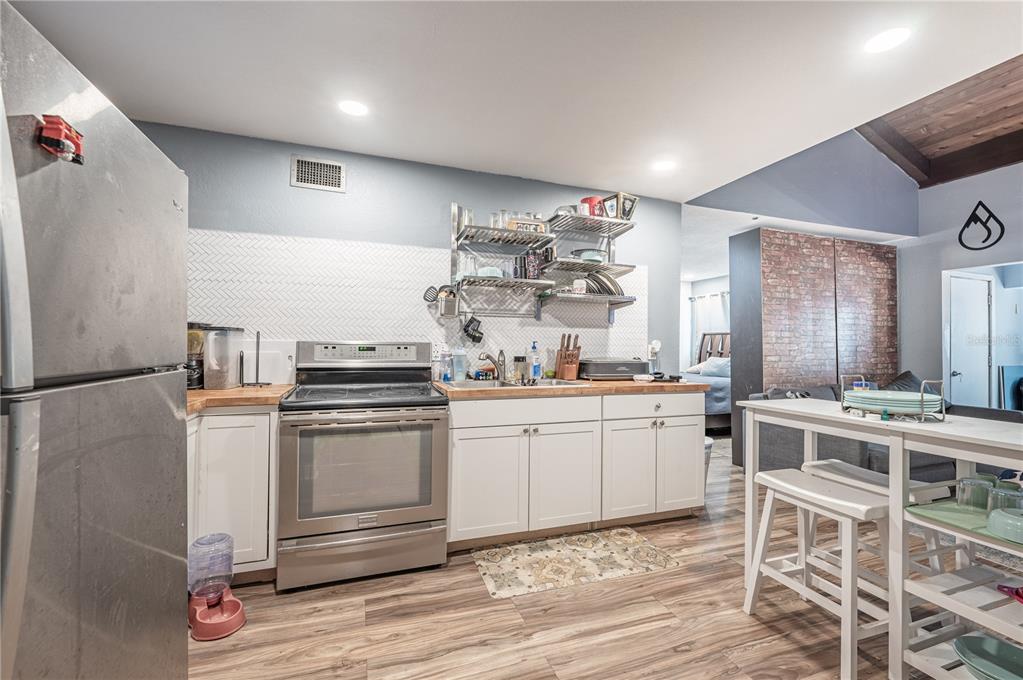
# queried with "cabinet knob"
point(653, 423)
point(536, 430)
point(525, 430)
point(657, 406)
point(661, 424)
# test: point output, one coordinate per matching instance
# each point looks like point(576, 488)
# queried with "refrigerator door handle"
point(19, 510)
point(15, 309)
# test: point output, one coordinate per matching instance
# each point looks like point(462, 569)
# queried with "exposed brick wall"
point(867, 306)
point(798, 308)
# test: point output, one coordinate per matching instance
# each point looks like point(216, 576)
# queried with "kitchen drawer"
point(620, 406)
point(493, 412)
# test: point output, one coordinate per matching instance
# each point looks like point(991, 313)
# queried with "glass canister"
point(221, 364)
point(1001, 499)
point(973, 493)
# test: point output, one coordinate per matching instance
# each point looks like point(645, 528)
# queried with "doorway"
point(967, 332)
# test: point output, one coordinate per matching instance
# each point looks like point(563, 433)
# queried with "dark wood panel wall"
point(867, 310)
point(805, 309)
point(798, 284)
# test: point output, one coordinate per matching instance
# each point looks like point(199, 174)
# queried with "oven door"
point(342, 471)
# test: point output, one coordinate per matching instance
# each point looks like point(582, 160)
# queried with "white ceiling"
point(705, 233)
point(586, 94)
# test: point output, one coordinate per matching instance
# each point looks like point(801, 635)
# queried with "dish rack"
point(922, 417)
point(515, 297)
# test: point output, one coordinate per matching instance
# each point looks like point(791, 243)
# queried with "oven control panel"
point(401, 352)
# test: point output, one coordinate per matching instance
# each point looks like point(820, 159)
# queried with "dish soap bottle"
point(535, 367)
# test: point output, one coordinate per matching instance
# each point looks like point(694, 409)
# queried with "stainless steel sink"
point(543, 382)
point(475, 384)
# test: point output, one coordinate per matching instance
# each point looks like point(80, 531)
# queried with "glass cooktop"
point(381, 395)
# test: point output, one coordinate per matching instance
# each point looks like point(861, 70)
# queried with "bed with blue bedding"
point(718, 399)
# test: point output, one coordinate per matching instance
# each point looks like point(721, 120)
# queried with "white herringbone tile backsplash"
point(294, 288)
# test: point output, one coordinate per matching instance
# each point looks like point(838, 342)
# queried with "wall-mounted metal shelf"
point(608, 227)
point(575, 265)
point(505, 283)
point(612, 302)
point(503, 241)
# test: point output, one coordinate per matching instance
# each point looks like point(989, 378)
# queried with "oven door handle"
point(360, 541)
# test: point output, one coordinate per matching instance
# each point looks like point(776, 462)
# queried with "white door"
point(233, 482)
point(680, 463)
point(489, 490)
point(564, 474)
point(630, 467)
point(969, 318)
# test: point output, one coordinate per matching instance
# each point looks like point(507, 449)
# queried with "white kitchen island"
point(967, 440)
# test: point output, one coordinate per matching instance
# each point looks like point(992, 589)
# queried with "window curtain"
point(710, 315)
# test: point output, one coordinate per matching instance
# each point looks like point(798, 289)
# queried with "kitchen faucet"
point(498, 363)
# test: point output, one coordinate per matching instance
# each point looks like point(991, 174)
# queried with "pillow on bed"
point(698, 368)
point(720, 367)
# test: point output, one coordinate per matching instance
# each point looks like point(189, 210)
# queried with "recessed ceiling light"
point(664, 165)
point(353, 108)
point(882, 42)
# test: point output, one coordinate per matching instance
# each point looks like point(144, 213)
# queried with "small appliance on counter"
point(222, 358)
point(193, 366)
point(611, 368)
point(213, 612)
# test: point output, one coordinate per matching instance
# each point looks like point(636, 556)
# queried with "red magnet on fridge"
point(58, 137)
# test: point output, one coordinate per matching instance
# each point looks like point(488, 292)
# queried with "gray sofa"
point(782, 447)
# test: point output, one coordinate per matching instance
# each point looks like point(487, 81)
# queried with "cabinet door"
point(564, 474)
point(489, 490)
point(233, 482)
point(192, 452)
point(630, 467)
point(680, 463)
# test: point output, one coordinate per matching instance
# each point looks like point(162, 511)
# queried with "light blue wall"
point(842, 182)
point(943, 211)
point(242, 184)
point(1011, 275)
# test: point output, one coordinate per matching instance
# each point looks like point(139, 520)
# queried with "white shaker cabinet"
point(233, 482)
point(489, 482)
point(630, 467)
point(564, 474)
point(680, 461)
point(191, 458)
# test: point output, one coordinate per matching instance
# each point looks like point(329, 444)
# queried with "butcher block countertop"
point(581, 388)
point(268, 395)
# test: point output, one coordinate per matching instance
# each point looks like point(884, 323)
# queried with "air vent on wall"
point(315, 173)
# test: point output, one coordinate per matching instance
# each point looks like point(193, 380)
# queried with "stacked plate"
point(895, 402)
point(989, 658)
point(602, 284)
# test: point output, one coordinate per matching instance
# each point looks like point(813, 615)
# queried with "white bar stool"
point(869, 480)
point(847, 505)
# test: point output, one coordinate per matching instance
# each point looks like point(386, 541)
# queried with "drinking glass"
point(973, 493)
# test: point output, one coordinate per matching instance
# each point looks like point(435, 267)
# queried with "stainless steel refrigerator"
point(93, 396)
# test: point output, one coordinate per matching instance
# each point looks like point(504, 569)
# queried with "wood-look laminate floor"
point(441, 624)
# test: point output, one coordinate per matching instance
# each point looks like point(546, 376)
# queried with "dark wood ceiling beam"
point(888, 141)
point(989, 155)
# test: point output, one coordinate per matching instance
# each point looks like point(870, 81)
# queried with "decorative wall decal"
point(982, 229)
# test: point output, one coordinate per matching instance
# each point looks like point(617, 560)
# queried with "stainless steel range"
point(363, 464)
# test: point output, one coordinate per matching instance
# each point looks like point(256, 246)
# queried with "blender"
point(213, 611)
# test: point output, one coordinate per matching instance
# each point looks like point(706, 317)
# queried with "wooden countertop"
point(268, 395)
point(580, 388)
